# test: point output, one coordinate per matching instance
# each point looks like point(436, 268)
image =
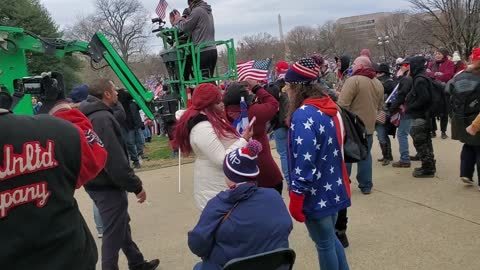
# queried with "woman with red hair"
point(204, 130)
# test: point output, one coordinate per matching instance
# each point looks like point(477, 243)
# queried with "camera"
point(161, 24)
point(48, 86)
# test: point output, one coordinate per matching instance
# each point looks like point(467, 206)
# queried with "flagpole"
point(179, 163)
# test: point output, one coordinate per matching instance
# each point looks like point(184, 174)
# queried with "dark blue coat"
point(259, 223)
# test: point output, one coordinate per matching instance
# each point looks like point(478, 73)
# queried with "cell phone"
point(252, 121)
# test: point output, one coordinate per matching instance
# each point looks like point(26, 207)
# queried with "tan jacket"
point(476, 124)
point(364, 97)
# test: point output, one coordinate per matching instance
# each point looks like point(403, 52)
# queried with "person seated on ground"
point(200, 25)
point(242, 221)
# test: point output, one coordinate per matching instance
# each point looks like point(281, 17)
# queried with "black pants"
point(422, 140)
point(342, 220)
point(443, 123)
point(208, 62)
point(113, 208)
point(469, 157)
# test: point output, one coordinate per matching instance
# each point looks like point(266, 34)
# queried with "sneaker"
point(342, 237)
point(422, 173)
point(434, 134)
point(136, 165)
point(366, 191)
point(100, 235)
point(151, 265)
point(414, 158)
point(467, 180)
point(386, 162)
point(401, 164)
point(444, 136)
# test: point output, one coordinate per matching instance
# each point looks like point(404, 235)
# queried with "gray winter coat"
point(200, 25)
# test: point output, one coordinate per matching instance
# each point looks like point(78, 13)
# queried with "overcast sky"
point(237, 18)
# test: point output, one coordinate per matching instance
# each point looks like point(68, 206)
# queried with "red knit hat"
point(205, 95)
point(475, 54)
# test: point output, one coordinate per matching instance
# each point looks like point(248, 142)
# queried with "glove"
point(296, 206)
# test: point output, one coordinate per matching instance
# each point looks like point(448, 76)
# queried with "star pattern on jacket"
point(317, 167)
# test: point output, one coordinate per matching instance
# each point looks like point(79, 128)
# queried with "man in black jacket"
point(419, 102)
point(405, 83)
point(383, 130)
point(108, 188)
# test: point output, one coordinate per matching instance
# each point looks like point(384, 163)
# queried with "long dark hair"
point(299, 92)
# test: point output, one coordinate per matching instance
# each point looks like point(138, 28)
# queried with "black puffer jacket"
point(418, 101)
point(465, 103)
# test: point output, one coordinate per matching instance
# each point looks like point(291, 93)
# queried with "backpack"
point(439, 100)
point(355, 146)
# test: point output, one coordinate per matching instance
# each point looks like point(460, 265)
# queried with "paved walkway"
point(405, 223)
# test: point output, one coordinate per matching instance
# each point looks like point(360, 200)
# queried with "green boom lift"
point(15, 42)
point(178, 49)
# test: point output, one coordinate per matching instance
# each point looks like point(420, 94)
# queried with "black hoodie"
point(419, 100)
point(117, 173)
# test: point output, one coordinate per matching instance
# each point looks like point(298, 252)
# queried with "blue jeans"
point(98, 219)
point(331, 254)
point(403, 132)
point(135, 142)
point(364, 169)
point(281, 135)
point(382, 135)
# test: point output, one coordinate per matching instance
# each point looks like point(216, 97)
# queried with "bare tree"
point(301, 42)
point(260, 46)
point(124, 23)
point(406, 36)
point(454, 23)
point(84, 28)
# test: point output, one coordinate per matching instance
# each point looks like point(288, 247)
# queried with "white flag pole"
point(179, 162)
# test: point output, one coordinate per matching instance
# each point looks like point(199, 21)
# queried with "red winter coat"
point(264, 110)
point(447, 68)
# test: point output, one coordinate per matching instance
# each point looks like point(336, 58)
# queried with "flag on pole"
point(161, 9)
point(241, 123)
point(253, 70)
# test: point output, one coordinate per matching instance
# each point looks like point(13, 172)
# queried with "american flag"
point(395, 118)
point(253, 70)
point(161, 9)
point(241, 123)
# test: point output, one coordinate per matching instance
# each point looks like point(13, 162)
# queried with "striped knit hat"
point(303, 72)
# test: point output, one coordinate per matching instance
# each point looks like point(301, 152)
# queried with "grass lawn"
point(160, 155)
point(158, 149)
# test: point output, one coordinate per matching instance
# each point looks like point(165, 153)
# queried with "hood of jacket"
point(325, 104)
point(345, 60)
point(417, 65)
point(201, 4)
point(239, 193)
point(93, 104)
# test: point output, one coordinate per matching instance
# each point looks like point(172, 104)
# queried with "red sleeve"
point(93, 155)
point(448, 70)
point(264, 110)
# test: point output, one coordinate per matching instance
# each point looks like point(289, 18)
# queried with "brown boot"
point(401, 164)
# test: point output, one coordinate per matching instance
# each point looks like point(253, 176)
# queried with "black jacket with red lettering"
point(43, 159)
